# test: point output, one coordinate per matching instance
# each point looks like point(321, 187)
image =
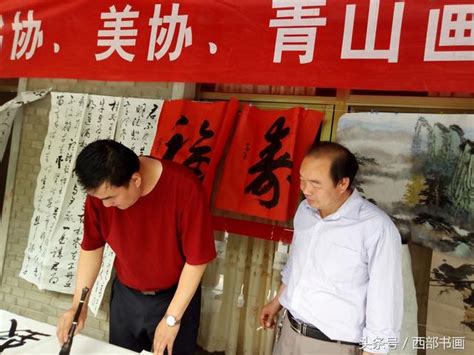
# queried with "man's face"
point(317, 186)
point(120, 197)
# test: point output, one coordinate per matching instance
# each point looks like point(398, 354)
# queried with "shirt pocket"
point(340, 264)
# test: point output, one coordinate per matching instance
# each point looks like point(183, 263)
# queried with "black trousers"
point(134, 317)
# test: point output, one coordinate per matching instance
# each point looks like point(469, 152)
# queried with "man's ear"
point(136, 179)
point(343, 184)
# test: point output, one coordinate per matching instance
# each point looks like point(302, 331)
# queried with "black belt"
point(149, 293)
point(313, 332)
point(158, 292)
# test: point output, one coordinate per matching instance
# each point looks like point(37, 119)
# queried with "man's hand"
point(366, 353)
point(65, 322)
point(164, 338)
point(269, 311)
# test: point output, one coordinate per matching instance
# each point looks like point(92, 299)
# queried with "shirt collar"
point(349, 209)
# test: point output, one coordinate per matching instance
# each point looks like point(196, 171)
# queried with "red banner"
point(194, 134)
point(261, 171)
point(420, 45)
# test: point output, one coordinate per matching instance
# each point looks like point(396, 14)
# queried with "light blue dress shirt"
point(344, 274)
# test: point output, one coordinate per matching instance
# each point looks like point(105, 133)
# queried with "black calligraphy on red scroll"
point(261, 171)
point(194, 134)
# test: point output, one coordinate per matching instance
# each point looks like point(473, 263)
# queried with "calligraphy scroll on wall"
point(261, 171)
point(56, 227)
point(8, 112)
point(194, 134)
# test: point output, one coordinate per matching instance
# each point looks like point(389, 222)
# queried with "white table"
point(44, 344)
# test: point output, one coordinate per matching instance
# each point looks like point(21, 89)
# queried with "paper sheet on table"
point(44, 339)
point(81, 345)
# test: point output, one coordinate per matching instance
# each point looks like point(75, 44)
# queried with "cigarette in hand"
point(260, 328)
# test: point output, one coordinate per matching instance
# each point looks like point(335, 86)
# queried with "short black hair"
point(343, 162)
point(105, 161)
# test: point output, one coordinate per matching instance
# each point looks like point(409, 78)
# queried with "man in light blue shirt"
point(342, 285)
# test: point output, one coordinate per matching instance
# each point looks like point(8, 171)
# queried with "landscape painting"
point(450, 319)
point(419, 168)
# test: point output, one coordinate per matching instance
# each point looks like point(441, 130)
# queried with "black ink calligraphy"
point(266, 179)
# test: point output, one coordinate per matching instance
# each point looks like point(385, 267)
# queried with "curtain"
point(244, 276)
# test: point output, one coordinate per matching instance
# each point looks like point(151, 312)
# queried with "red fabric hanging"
point(261, 171)
point(194, 134)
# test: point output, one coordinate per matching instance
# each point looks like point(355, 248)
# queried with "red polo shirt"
point(153, 238)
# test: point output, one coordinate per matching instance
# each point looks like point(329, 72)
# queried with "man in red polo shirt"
point(154, 215)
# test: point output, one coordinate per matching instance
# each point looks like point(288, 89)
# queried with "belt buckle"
point(148, 293)
point(298, 327)
point(301, 328)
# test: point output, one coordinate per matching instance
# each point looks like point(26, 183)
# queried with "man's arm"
point(188, 283)
point(87, 271)
point(384, 309)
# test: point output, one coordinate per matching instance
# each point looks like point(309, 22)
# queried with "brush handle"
point(85, 290)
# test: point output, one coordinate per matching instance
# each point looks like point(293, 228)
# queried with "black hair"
point(343, 162)
point(105, 161)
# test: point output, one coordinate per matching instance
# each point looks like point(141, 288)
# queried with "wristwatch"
point(171, 321)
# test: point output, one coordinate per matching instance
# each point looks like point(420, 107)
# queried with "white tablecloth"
point(48, 344)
